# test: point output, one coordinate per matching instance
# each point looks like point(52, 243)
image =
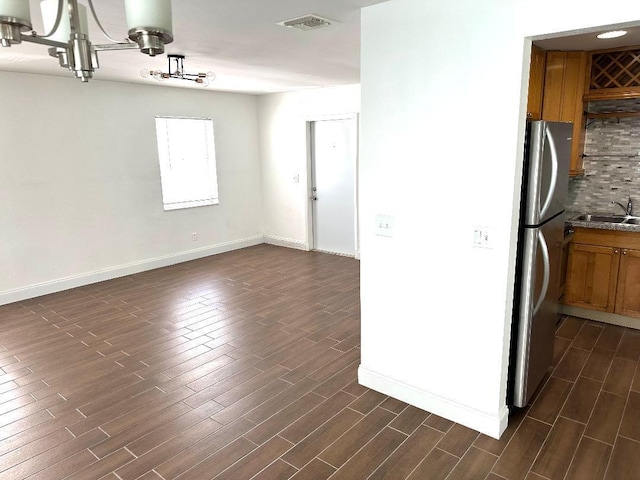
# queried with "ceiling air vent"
point(307, 22)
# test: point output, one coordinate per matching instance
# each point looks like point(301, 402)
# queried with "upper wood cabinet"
point(614, 74)
point(565, 83)
point(536, 83)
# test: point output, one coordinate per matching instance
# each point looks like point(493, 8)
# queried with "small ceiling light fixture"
point(148, 21)
point(612, 34)
point(176, 71)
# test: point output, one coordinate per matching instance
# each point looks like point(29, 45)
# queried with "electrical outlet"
point(194, 236)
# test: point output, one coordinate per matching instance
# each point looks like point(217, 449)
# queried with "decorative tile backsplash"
point(611, 163)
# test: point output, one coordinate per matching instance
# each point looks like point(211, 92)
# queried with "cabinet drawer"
point(609, 238)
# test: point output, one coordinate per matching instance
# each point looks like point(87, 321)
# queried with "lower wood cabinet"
point(592, 276)
point(603, 272)
point(564, 262)
point(628, 290)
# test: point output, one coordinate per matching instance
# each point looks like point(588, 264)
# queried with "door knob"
point(314, 198)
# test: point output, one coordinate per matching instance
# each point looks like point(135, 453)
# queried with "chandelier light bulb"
point(211, 76)
point(145, 73)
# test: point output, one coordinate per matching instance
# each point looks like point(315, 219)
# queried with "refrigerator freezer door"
point(538, 307)
point(549, 153)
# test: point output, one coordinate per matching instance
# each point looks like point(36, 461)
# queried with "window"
point(187, 162)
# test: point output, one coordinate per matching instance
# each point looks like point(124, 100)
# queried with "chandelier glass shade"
point(62, 34)
point(148, 21)
point(177, 72)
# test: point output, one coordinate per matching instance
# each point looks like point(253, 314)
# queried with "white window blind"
point(187, 162)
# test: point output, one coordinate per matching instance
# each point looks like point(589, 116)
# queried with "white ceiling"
point(237, 39)
point(241, 42)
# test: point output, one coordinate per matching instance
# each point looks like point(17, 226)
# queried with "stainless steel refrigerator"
point(541, 231)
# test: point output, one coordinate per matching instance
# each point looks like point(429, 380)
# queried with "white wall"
point(80, 195)
point(283, 153)
point(443, 112)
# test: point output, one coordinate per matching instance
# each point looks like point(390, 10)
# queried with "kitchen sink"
point(628, 220)
point(586, 217)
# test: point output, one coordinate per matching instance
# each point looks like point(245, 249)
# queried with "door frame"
point(309, 239)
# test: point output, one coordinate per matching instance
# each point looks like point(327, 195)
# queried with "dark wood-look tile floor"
point(243, 365)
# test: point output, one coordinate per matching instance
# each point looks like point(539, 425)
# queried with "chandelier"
point(148, 22)
point(176, 71)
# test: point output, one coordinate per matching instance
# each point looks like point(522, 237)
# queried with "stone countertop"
point(619, 227)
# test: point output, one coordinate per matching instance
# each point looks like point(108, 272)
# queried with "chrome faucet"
point(628, 210)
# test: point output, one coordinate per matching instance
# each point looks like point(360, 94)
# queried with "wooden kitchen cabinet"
point(592, 277)
point(614, 74)
point(628, 291)
point(566, 81)
point(603, 272)
point(536, 83)
point(564, 262)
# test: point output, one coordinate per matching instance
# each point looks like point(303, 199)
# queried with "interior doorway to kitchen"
point(333, 156)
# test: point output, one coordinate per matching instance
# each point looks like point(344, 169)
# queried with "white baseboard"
point(285, 242)
point(57, 285)
point(483, 422)
point(348, 255)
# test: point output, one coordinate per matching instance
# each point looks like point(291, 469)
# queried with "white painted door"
point(333, 163)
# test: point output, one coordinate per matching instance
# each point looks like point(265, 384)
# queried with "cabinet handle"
point(615, 251)
point(624, 252)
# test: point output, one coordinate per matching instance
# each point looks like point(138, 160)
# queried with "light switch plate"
point(384, 225)
point(482, 237)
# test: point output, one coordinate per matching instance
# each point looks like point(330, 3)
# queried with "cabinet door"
point(578, 77)
point(592, 277)
point(628, 291)
point(536, 82)
point(553, 82)
point(566, 81)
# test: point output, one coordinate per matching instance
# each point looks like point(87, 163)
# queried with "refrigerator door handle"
point(554, 171)
point(547, 270)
